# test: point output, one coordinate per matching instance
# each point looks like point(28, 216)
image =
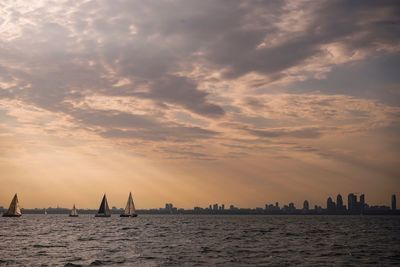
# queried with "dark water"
point(57, 240)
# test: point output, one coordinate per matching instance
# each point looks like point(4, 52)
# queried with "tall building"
point(330, 205)
point(169, 207)
point(362, 203)
point(339, 203)
point(306, 206)
point(352, 202)
point(291, 207)
point(394, 207)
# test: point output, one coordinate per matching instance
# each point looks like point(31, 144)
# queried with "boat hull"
point(12, 215)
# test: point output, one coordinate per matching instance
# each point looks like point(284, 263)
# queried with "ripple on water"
point(200, 241)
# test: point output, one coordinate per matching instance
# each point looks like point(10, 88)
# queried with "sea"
point(200, 240)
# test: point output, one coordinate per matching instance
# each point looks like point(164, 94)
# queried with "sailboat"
point(45, 212)
point(130, 210)
point(104, 210)
point(13, 210)
point(74, 212)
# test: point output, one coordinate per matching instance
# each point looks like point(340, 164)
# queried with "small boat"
point(13, 210)
point(45, 212)
point(130, 210)
point(104, 210)
point(74, 212)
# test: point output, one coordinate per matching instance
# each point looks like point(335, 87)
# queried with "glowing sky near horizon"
point(198, 102)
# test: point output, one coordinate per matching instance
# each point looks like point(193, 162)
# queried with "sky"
point(198, 102)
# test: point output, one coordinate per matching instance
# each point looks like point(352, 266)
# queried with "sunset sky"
point(196, 102)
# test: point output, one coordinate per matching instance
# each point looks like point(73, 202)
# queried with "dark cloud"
point(363, 23)
point(309, 132)
point(120, 125)
point(373, 78)
point(356, 25)
point(183, 91)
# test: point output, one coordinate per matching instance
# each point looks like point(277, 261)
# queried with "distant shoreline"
point(62, 211)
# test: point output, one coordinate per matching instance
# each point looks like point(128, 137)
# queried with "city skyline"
point(339, 203)
point(190, 102)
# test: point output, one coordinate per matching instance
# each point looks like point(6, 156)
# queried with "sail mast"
point(130, 205)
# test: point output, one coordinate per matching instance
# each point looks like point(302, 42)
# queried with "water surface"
point(184, 240)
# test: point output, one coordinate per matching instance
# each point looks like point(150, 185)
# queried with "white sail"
point(14, 208)
point(130, 206)
point(73, 212)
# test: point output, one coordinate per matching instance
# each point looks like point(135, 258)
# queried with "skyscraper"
point(330, 205)
point(339, 203)
point(352, 202)
point(362, 203)
point(394, 206)
point(291, 208)
point(306, 206)
point(169, 206)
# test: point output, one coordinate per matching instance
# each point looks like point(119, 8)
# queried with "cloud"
point(124, 70)
point(182, 91)
point(122, 125)
point(328, 110)
point(310, 132)
point(276, 47)
point(176, 133)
